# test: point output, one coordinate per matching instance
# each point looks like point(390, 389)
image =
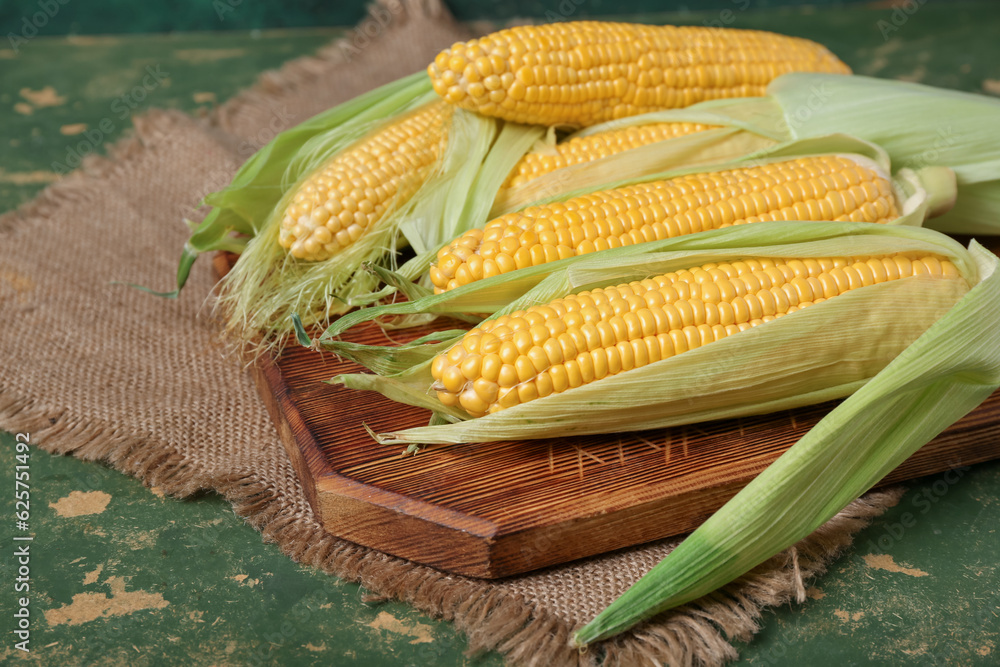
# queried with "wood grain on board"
point(503, 508)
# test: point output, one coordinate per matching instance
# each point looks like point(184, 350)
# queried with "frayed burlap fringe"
point(494, 615)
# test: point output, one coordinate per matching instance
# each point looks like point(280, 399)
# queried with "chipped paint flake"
point(24, 109)
point(916, 76)
point(916, 652)
point(245, 580)
point(885, 562)
point(208, 55)
point(87, 607)
point(814, 593)
point(140, 539)
point(73, 129)
point(202, 98)
point(91, 577)
point(46, 97)
point(28, 177)
point(91, 40)
point(315, 649)
point(80, 503)
point(420, 632)
point(847, 617)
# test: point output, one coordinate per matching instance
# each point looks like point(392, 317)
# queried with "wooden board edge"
point(453, 544)
point(418, 539)
point(288, 421)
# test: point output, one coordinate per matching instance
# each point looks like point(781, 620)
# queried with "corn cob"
point(349, 194)
point(582, 73)
point(589, 148)
point(828, 187)
point(585, 337)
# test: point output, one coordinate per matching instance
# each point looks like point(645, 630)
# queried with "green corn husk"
point(937, 373)
point(732, 138)
point(267, 285)
point(241, 209)
point(923, 194)
point(761, 370)
point(950, 369)
point(917, 125)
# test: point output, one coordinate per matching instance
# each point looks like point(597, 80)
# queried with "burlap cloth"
point(105, 372)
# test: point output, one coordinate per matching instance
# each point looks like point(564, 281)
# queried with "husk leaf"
point(490, 294)
point(242, 208)
point(740, 128)
point(917, 125)
point(708, 147)
point(761, 370)
point(940, 377)
point(267, 286)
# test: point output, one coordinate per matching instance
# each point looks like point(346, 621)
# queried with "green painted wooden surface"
point(164, 581)
point(63, 98)
point(122, 575)
point(60, 17)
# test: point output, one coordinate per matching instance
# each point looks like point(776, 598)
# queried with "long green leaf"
point(944, 374)
point(760, 370)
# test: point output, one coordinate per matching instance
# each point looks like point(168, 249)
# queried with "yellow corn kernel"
point(587, 149)
point(770, 288)
point(335, 206)
point(665, 209)
point(585, 72)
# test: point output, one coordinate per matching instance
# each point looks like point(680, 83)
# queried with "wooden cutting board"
point(503, 508)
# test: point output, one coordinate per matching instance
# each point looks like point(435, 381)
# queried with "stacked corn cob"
point(620, 269)
point(587, 72)
point(582, 338)
point(360, 173)
point(828, 187)
point(580, 150)
point(336, 205)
